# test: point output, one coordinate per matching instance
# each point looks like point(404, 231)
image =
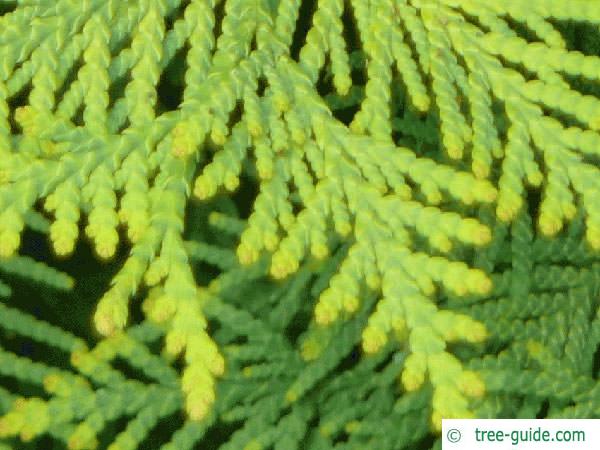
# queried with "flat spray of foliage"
point(317, 224)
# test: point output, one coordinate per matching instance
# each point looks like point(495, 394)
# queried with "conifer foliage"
point(320, 224)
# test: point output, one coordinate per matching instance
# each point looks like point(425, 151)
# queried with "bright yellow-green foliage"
point(85, 133)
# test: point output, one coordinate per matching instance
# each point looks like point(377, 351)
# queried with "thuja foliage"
point(320, 224)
